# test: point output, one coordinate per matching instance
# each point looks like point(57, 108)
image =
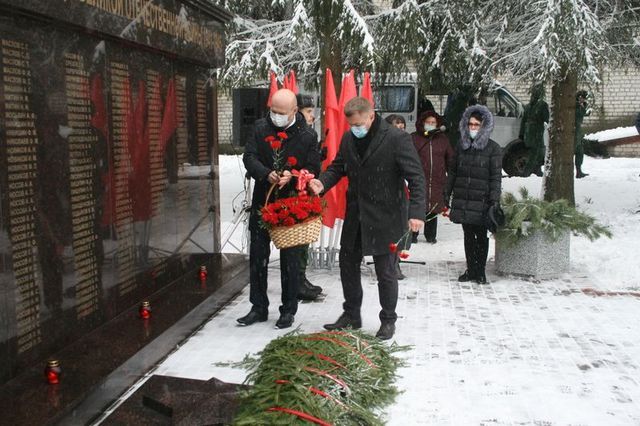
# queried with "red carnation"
point(275, 144)
point(404, 254)
point(300, 213)
point(282, 135)
point(289, 221)
point(316, 205)
point(393, 247)
point(270, 138)
point(292, 161)
point(283, 214)
point(270, 218)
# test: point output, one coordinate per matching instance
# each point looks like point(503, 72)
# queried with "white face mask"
point(359, 131)
point(473, 133)
point(279, 120)
point(429, 127)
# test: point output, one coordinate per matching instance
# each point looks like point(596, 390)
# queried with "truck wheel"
point(515, 158)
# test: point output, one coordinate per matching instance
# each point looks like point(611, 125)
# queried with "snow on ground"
point(617, 133)
point(611, 193)
point(512, 352)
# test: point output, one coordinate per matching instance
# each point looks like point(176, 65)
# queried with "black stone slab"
point(122, 350)
point(97, 208)
point(188, 30)
point(164, 400)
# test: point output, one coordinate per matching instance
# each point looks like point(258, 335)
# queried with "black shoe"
point(285, 320)
point(386, 331)
point(308, 291)
point(414, 238)
point(432, 240)
point(580, 175)
point(345, 321)
point(482, 279)
point(399, 273)
point(467, 276)
point(252, 317)
point(315, 288)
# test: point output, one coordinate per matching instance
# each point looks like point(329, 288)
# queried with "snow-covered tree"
point(304, 35)
point(461, 42)
point(562, 42)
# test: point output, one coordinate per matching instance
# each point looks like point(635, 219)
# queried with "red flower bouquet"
point(275, 142)
point(295, 220)
point(291, 211)
point(404, 242)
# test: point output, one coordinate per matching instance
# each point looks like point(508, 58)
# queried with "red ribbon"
point(300, 414)
point(304, 177)
point(322, 357)
point(343, 344)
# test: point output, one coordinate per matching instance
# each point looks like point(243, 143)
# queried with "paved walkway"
point(512, 352)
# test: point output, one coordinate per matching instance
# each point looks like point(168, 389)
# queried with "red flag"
point(140, 177)
point(273, 87)
point(100, 121)
point(331, 143)
point(335, 125)
point(170, 117)
point(348, 92)
point(293, 84)
point(365, 90)
point(100, 118)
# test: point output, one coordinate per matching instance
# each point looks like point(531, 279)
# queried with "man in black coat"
point(377, 158)
point(261, 152)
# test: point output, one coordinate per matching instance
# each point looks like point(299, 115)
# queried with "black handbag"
point(494, 219)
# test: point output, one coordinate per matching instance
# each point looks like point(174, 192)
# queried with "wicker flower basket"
point(299, 234)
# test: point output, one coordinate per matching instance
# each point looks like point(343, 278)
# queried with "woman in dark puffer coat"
point(473, 185)
point(436, 156)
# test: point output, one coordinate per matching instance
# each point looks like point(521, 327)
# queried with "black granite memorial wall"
point(108, 189)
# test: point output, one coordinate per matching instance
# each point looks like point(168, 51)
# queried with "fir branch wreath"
point(325, 378)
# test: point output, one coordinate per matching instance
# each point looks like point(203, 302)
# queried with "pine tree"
point(305, 35)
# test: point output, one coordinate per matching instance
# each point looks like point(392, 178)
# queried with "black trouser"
point(431, 226)
point(476, 248)
point(289, 273)
point(304, 260)
point(579, 151)
point(385, 266)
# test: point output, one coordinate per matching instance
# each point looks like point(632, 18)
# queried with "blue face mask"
point(359, 131)
point(473, 133)
point(429, 127)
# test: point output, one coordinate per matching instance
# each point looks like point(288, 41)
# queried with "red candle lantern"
point(145, 310)
point(52, 372)
point(203, 273)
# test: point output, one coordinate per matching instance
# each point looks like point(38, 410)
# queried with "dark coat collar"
point(379, 132)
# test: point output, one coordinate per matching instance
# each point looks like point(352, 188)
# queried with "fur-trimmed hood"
point(482, 139)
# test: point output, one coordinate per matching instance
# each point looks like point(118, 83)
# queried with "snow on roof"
point(617, 133)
